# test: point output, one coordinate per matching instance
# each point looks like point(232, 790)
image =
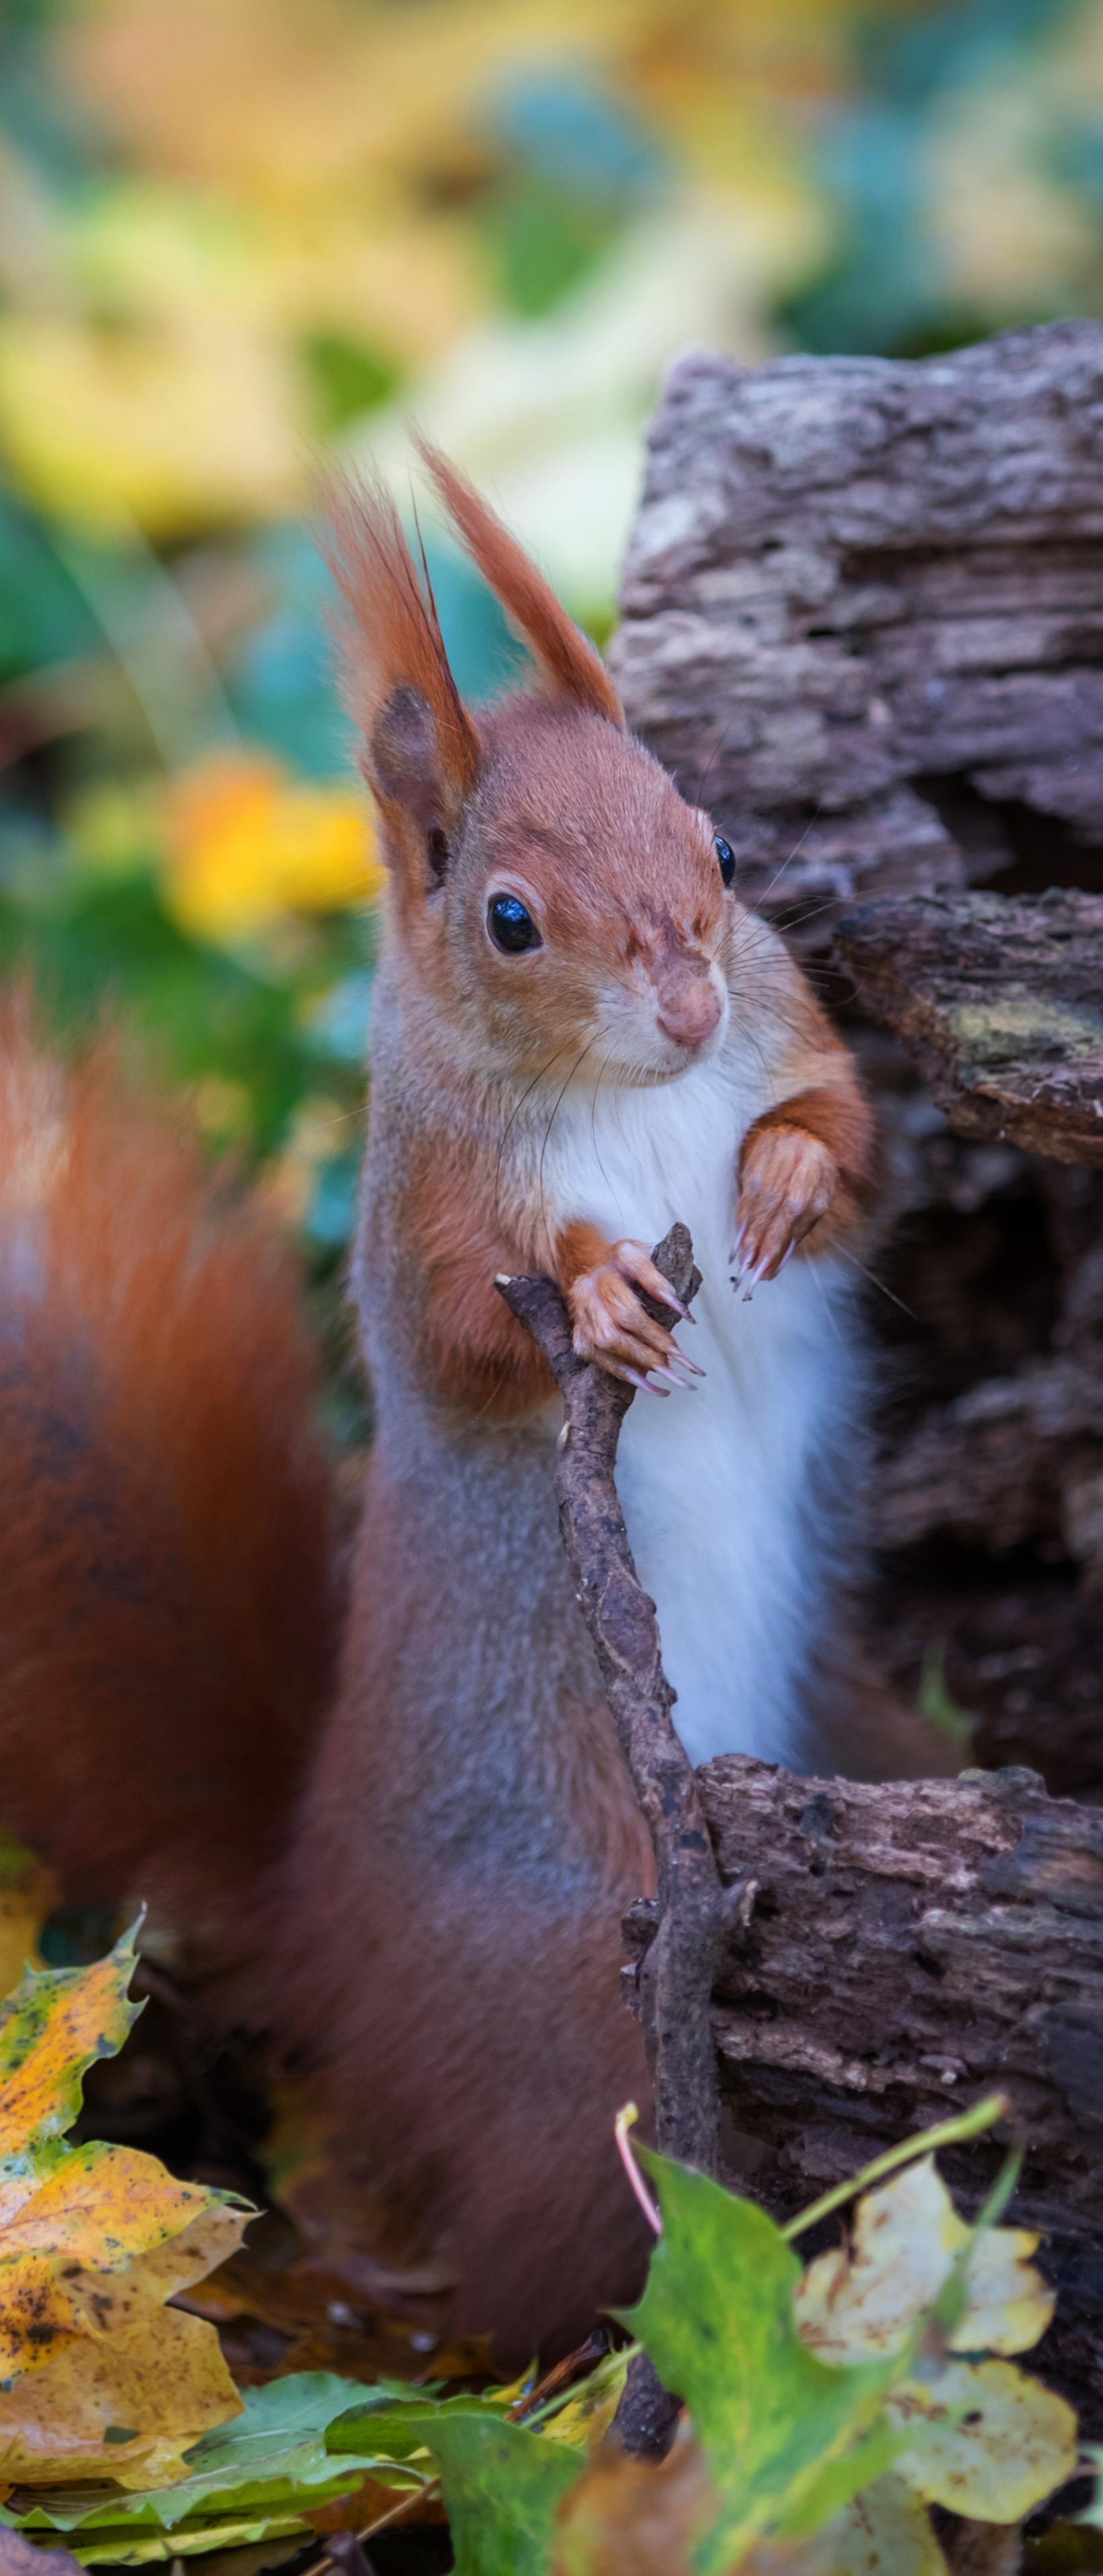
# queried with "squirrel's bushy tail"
point(168, 1611)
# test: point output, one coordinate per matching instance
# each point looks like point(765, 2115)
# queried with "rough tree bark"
point(676, 1980)
point(1000, 1001)
point(673, 1986)
point(882, 1953)
point(863, 600)
point(862, 620)
point(901, 1949)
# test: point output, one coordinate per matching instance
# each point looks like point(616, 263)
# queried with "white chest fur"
point(720, 1488)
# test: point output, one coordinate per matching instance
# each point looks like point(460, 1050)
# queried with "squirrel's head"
point(558, 901)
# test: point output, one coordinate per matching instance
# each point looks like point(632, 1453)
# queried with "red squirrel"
point(579, 1035)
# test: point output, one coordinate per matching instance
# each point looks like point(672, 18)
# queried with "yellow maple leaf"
point(28, 1893)
point(860, 2302)
point(989, 2442)
point(247, 842)
point(97, 2377)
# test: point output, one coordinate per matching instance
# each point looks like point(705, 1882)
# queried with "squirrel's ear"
point(568, 662)
point(420, 750)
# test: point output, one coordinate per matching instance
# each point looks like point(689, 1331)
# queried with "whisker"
point(517, 1108)
point(714, 756)
point(579, 1059)
point(875, 1282)
point(795, 852)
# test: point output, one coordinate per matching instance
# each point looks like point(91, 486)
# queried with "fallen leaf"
point(636, 2514)
point(886, 2531)
point(993, 2443)
point(267, 2473)
point(28, 1893)
point(326, 2320)
point(787, 2438)
point(97, 2376)
point(51, 2031)
point(589, 2409)
point(502, 2487)
point(861, 2302)
point(20, 2558)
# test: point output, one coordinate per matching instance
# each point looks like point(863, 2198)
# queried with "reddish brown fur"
point(169, 1612)
point(580, 1248)
point(448, 1912)
point(475, 1352)
point(570, 665)
point(838, 1117)
point(394, 642)
point(842, 1120)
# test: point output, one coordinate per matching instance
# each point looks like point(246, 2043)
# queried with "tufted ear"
point(420, 751)
point(570, 666)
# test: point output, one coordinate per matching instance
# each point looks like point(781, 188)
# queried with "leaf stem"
point(948, 2133)
point(625, 2120)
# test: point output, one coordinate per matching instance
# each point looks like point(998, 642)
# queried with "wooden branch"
point(676, 1978)
point(1000, 1000)
point(852, 574)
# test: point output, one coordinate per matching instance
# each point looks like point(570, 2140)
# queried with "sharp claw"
point(685, 1385)
point(665, 1296)
point(681, 1359)
point(756, 1276)
point(644, 1383)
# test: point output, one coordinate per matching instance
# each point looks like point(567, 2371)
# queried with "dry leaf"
point(886, 2531)
point(638, 2515)
point(993, 2443)
point(97, 2376)
point(860, 2302)
point(28, 1893)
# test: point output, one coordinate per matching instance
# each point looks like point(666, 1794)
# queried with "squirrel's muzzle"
point(689, 1005)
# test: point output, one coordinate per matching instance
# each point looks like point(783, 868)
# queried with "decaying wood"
point(1014, 1458)
point(852, 574)
point(876, 1955)
point(675, 1985)
point(1000, 1001)
point(908, 1947)
point(900, 1951)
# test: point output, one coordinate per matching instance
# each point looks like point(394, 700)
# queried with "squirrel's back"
point(167, 1610)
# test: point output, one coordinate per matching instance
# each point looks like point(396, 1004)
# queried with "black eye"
point(726, 856)
point(510, 926)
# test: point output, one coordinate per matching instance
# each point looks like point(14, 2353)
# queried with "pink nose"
point(689, 1008)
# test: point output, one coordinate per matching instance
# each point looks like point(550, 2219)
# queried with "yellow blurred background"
point(236, 234)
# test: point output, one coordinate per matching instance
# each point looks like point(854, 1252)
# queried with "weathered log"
point(1000, 1000)
point(850, 574)
point(901, 1950)
point(1015, 1458)
point(861, 622)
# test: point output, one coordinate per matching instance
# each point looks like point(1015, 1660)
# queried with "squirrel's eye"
point(510, 926)
point(726, 856)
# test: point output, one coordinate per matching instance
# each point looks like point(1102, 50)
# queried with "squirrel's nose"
point(689, 1006)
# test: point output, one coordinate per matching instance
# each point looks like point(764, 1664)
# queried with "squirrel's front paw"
point(787, 1183)
point(611, 1326)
